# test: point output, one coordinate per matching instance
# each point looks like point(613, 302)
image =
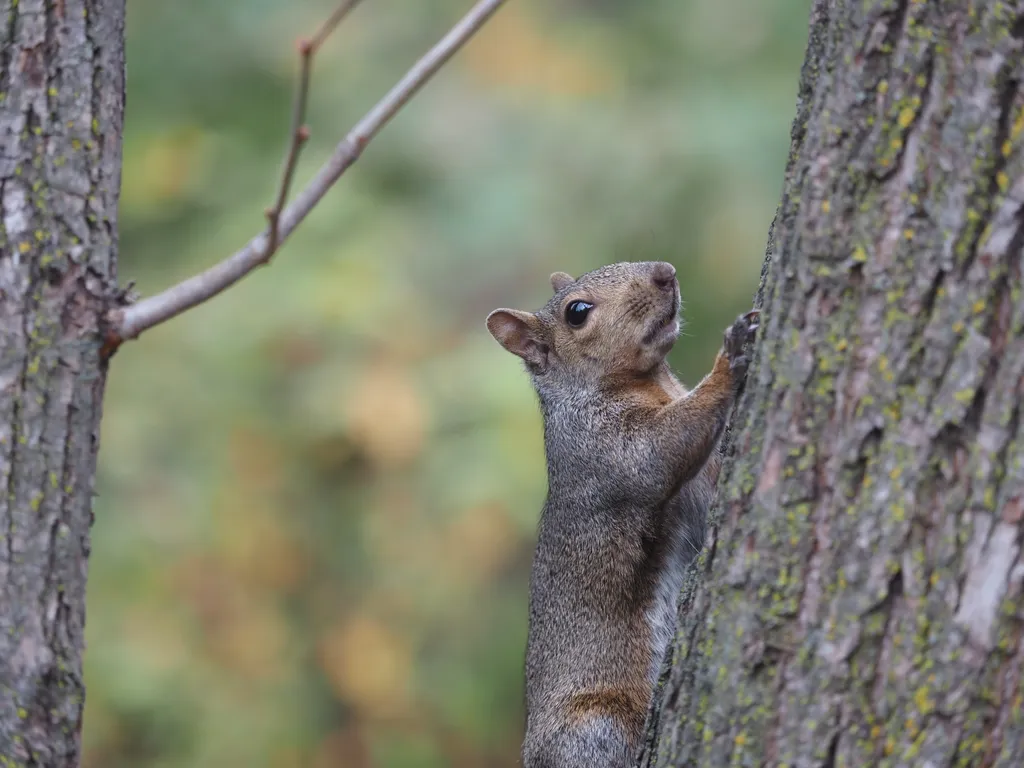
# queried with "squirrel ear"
point(561, 279)
point(520, 333)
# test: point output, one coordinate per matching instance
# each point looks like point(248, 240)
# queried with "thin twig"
point(133, 320)
point(299, 131)
point(331, 24)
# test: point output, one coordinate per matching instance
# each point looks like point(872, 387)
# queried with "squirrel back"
point(632, 464)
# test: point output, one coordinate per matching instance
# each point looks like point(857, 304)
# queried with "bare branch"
point(299, 131)
point(129, 322)
point(331, 24)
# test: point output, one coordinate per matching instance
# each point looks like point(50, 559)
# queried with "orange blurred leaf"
point(345, 747)
point(480, 542)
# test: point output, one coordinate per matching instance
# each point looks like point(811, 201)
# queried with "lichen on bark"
point(61, 105)
point(859, 602)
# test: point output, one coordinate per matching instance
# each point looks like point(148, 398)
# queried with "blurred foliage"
point(317, 493)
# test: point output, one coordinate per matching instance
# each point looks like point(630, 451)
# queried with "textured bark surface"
point(860, 601)
point(61, 102)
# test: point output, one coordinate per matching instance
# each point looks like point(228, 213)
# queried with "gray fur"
point(630, 478)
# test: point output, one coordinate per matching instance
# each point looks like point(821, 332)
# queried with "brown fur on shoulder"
point(626, 705)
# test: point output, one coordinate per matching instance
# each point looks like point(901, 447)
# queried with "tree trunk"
point(859, 602)
point(61, 103)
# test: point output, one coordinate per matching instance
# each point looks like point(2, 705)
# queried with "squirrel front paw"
point(736, 337)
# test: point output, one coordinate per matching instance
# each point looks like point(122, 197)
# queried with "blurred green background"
point(318, 492)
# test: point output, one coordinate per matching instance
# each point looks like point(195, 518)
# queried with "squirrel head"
point(619, 320)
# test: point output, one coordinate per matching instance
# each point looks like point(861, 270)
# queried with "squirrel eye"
point(576, 313)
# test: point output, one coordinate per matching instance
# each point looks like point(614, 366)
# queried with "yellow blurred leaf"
point(369, 666)
point(159, 171)
point(386, 415)
point(515, 50)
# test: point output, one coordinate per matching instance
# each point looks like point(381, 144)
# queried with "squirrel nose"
point(663, 275)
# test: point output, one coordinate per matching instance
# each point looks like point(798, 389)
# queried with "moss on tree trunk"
point(860, 600)
point(61, 102)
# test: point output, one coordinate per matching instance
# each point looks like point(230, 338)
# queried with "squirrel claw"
point(739, 333)
point(742, 331)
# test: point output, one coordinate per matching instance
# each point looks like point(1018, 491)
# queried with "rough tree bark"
point(61, 103)
point(859, 603)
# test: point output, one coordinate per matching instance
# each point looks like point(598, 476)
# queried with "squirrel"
point(632, 460)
